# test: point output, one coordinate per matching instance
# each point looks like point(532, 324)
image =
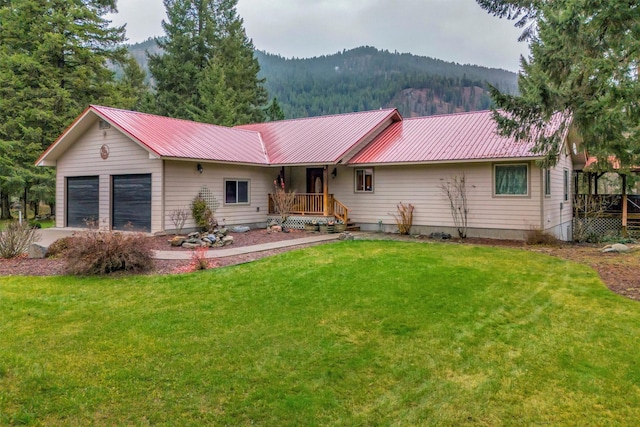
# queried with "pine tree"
point(273, 111)
point(584, 62)
point(207, 70)
point(53, 63)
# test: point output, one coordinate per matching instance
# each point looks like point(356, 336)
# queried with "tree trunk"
point(5, 205)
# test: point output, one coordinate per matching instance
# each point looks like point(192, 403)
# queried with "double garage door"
point(130, 201)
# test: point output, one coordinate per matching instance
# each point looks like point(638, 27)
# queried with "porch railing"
point(605, 203)
point(313, 204)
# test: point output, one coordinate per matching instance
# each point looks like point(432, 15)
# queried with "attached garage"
point(131, 202)
point(83, 201)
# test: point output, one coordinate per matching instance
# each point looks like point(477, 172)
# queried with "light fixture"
point(200, 168)
point(334, 173)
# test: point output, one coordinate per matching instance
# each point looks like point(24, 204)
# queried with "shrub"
point(179, 217)
point(199, 259)
point(96, 253)
point(536, 236)
point(203, 215)
point(404, 219)
point(16, 239)
point(58, 247)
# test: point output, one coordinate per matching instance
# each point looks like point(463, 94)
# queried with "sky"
point(451, 30)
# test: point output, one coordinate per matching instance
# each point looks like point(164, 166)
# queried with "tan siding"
point(183, 184)
point(420, 185)
point(125, 157)
point(553, 216)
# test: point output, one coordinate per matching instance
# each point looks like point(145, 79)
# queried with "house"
point(126, 168)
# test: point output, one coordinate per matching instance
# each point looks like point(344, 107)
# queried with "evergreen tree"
point(273, 111)
point(584, 62)
point(207, 70)
point(53, 63)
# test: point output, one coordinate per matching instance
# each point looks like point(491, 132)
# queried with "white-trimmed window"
point(511, 179)
point(364, 180)
point(547, 182)
point(236, 191)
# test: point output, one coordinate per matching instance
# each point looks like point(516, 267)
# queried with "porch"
point(606, 213)
point(314, 206)
point(607, 207)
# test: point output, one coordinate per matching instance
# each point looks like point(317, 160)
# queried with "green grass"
point(353, 333)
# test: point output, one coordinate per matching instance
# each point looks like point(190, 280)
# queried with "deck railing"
point(605, 203)
point(313, 204)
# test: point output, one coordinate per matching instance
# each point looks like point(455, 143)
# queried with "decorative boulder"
point(177, 241)
point(212, 237)
point(37, 251)
point(227, 240)
point(275, 228)
point(188, 245)
point(240, 229)
point(617, 247)
point(194, 235)
point(222, 231)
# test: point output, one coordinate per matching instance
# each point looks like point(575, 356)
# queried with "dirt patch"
point(620, 272)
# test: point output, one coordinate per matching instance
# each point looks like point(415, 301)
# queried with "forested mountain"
point(366, 78)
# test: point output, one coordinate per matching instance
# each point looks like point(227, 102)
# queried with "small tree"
point(456, 192)
point(404, 219)
point(283, 201)
point(178, 218)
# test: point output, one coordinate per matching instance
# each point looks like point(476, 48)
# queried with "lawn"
point(352, 333)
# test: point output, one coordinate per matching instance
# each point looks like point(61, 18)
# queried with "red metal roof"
point(176, 138)
point(324, 139)
point(452, 137)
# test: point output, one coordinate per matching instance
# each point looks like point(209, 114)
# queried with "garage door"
point(131, 202)
point(82, 200)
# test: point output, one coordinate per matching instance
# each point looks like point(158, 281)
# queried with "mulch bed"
point(620, 272)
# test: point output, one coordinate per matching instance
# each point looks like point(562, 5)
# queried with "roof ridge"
point(461, 113)
point(320, 117)
point(159, 116)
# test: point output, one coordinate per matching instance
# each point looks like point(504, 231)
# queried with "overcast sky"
point(452, 30)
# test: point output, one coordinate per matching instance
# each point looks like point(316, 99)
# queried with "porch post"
point(624, 206)
point(325, 191)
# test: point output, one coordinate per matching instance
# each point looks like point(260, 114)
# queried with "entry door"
point(82, 201)
point(314, 180)
point(131, 202)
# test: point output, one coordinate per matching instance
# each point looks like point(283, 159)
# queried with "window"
point(364, 180)
point(566, 185)
point(236, 191)
point(511, 180)
point(547, 182)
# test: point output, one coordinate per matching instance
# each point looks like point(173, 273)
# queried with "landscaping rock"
point(222, 231)
point(616, 247)
point(188, 245)
point(177, 241)
point(275, 229)
point(346, 236)
point(212, 237)
point(240, 229)
point(227, 240)
point(37, 251)
point(194, 235)
point(440, 235)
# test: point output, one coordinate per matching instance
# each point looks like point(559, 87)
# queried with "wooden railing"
point(340, 211)
point(605, 203)
point(313, 204)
